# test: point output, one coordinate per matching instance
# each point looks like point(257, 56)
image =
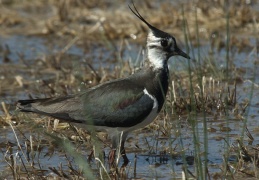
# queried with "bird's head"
point(160, 45)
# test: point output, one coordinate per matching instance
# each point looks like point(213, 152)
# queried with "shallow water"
point(31, 47)
point(148, 165)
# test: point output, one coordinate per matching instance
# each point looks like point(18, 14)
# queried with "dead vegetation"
point(89, 25)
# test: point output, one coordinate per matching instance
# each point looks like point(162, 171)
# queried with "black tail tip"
point(24, 105)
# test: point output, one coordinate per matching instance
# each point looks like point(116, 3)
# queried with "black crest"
point(156, 32)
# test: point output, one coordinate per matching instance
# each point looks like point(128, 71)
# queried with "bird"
point(122, 105)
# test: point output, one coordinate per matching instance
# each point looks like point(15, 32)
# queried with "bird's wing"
point(58, 107)
point(115, 104)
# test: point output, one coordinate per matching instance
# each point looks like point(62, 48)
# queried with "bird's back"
point(119, 103)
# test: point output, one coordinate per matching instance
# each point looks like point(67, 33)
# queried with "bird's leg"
point(123, 154)
point(112, 153)
point(111, 157)
point(90, 156)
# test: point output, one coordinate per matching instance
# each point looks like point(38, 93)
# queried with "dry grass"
point(89, 25)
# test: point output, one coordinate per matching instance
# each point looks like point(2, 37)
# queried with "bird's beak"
point(179, 52)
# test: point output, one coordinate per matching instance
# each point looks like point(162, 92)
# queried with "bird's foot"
point(112, 158)
point(125, 160)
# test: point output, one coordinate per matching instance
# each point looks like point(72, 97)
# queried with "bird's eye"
point(164, 43)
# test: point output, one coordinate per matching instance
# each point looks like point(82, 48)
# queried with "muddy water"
point(150, 165)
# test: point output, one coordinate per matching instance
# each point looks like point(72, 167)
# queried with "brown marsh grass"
point(201, 90)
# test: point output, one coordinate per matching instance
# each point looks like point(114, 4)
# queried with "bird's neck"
point(158, 84)
point(156, 58)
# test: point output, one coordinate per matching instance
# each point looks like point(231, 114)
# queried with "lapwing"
point(122, 105)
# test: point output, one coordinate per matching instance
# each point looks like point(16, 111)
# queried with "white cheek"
point(156, 58)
